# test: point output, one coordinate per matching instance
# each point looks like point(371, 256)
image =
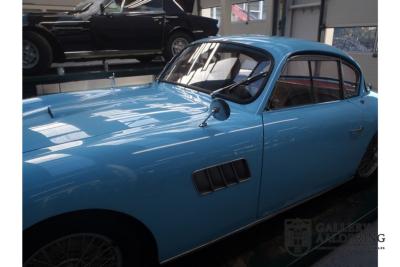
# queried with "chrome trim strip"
point(109, 53)
point(58, 22)
point(257, 221)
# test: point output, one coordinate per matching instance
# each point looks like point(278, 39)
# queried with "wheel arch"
point(58, 52)
point(103, 217)
point(179, 29)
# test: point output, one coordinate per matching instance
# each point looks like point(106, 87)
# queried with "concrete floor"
point(352, 207)
point(359, 251)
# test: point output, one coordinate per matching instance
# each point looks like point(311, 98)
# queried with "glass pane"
point(239, 12)
point(143, 5)
point(326, 82)
point(212, 12)
point(257, 10)
point(113, 7)
point(293, 87)
point(355, 39)
point(210, 66)
point(350, 81)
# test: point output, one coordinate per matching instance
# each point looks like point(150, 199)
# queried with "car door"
point(312, 133)
point(138, 25)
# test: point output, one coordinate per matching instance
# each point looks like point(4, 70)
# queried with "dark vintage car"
point(111, 28)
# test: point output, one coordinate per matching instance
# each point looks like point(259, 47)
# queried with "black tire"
point(369, 163)
point(169, 51)
point(125, 248)
point(42, 48)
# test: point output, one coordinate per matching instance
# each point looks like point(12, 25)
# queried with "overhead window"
point(248, 11)
point(257, 10)
point(212, 12)
point(353, 39)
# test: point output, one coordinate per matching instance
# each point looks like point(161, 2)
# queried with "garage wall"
point(49, 5)
point(355, 14)
point(345, 24)
point(351, 12)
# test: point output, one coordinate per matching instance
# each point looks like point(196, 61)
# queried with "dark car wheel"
point(85, 245)
point(36, 53)
point(369, 162)
point(80, 249)
point(176, 43)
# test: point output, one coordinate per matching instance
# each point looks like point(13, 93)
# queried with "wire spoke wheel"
point(178, 45)
point(77, 250)
point(30, 54)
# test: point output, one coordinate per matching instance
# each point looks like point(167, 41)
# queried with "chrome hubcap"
point(178, 45)
point(369, 163)
point(77, 250)
point(30, 54)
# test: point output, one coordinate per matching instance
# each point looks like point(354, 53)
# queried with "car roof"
point(281, 47)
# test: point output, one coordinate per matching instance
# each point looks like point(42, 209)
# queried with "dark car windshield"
point(208, 67)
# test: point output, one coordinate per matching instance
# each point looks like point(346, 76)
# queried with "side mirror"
point(220, 110)
point(369, 87)
point(102, 9)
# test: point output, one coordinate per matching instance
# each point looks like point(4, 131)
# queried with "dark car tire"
point(369, 163)
point(37, 53)
point(97, 243)
point(176, 40)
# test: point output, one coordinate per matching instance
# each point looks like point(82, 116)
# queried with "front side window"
point(294, 86)
point(208, 67)
point(314, 79)
point(143, 5)
point(113, 7)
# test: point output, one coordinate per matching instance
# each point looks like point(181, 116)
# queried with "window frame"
point(330, 57)
point(247, 2)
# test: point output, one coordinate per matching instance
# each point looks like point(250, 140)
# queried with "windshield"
point(208, 67)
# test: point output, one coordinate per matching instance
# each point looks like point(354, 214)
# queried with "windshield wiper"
point(245, 81)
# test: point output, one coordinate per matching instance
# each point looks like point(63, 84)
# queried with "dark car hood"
point(58, 119)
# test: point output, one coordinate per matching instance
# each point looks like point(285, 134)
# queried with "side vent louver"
point(221, 176)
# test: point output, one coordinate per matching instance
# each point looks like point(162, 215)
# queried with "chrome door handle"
point(358, 130)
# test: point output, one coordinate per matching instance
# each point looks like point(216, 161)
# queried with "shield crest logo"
point(298, 236)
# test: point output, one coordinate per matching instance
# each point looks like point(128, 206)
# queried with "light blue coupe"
point(232, 132)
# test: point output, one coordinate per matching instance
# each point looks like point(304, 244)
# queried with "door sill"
point(110, 53)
